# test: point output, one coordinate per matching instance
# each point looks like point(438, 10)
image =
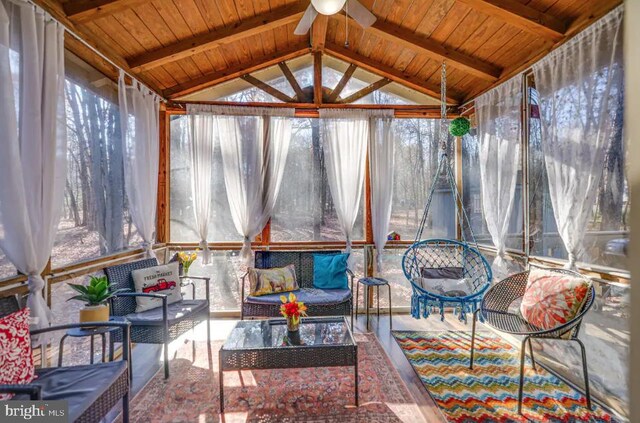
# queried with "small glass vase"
point(293, 326)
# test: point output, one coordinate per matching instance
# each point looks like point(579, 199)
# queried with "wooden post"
point(458, 174)
point(317, 77)
point(162, 213)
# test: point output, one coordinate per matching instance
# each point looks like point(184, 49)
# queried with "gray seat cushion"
point(309, 296)
point(176, 312)
point(80, 386)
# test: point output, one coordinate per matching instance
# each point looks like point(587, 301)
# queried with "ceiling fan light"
point(328, 7)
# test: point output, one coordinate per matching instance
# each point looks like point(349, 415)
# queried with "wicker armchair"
point(91, 391)
point(496, 312)
point(303, 262)
point(160, 325)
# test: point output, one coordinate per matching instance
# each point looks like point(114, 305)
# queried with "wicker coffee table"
point(266, 344)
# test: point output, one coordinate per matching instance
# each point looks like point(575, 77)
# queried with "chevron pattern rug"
point(489, 392)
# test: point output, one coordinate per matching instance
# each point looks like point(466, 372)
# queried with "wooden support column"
point(267, 88)
point(458, 174)
point(317, 77)
point(162, 213)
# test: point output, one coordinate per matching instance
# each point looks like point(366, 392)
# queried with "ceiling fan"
point(330, 7)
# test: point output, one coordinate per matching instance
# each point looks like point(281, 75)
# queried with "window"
point(7, 269)
point(304, 210)
point(608, 231)
point(183, 225)
point(95, 220)
point(472, 198)
point(416, 161)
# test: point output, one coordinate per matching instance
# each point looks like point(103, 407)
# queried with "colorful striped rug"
point(489, 392)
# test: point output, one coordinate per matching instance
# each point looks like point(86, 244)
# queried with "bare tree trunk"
point(73, 205)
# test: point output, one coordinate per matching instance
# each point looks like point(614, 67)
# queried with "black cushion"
point(81, 386)
point(176, 312)
point(442, 272)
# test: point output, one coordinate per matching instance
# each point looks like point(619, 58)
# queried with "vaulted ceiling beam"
point(335, 93)
point(319, 32)
point(366, 91)
point(389, 72)
point(267, 88)
point(87, 10)
point(405, 38)
point(210, 40)
point(521, 16)
point(214, 78)
point(291, 79)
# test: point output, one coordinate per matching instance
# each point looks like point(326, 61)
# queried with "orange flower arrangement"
point(292, 309)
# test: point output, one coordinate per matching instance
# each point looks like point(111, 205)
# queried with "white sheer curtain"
point(580, 87)
point(499, 139)
point(345, 134)
point(254, 143)
point(139, 123)
point(201, 147)
point(381, 166)
point(33, 159)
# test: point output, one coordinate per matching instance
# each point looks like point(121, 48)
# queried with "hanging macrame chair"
point(445, 273)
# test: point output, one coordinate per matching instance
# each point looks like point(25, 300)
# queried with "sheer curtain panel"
point(499, 139)
point(381, 167)
point(201, 146)
point(34, 143)
point(581, 91)
point(254, 143)
point(139, 123)
point(345, 134)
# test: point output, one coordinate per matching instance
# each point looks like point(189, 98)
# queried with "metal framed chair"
point(90, 390)
point(160, 325)
point(495, 311)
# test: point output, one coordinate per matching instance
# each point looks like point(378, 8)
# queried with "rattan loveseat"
point(91, 391)
point(319, 302)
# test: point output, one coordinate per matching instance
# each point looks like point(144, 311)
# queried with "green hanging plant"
point(459, 127)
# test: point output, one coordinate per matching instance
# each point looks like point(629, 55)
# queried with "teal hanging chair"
point(461, 272)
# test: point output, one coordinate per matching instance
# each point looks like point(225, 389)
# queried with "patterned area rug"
point(318, 395)
point(489, 392)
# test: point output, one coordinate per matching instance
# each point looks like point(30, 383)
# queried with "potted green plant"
point(95, 296)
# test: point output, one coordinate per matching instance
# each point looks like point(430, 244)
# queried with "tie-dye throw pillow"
point(552, 298)
point(272, 281)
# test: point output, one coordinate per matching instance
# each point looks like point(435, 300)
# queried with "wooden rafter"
point(214, 78)
point(317, 77)
point(603, 7)
point(319, 32)
point(366, 91)
point(386, 71)
point(82, 11)
point(403, 37)
point(521, 16)
point(267, 88)
point(291, 79)
point(210, 40)
point(54, 8)
point(335, 93)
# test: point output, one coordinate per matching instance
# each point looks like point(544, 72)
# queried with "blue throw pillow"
point(330, 271)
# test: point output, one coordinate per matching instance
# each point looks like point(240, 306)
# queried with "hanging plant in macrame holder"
point(459, 127)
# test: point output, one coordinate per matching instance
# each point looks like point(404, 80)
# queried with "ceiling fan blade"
point(306, 20)
point(361, 14)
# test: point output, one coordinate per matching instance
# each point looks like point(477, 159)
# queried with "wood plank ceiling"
point(180, 46)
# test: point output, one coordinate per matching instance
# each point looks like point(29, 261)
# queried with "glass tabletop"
point(272, 333)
